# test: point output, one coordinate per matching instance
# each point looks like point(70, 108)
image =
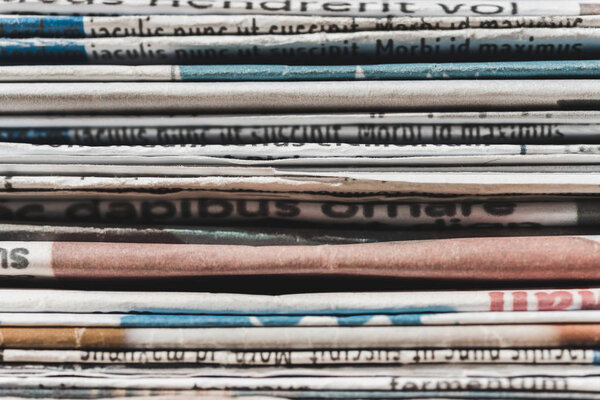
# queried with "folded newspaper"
point(422, 8)
point(312, 48)
point(502, 258)
point(70, 26)
point(381, 128)
point(165, 97)
point(274, 72)
point(202, 211)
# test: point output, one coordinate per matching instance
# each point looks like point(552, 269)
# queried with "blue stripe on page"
point(37, 135)
point(17, 26)
point(424, 71)
point(265, 72)
point(165, 320)
point(14, 51)
point(142, 320)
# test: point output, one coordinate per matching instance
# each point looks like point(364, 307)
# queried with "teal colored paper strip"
point(423, 71)
point(50, 26)
point(166, 320)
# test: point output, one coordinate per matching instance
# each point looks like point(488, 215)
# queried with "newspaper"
point(393, 382)
point(144, 394)
point(368, 133)
point(202, 211)
point(218, 170)
point(321, 7)
point(315, 185)
point(24, 26)
point(253, 72)
point(340, 303)
point(183, 154)
point(589, 117)
point(253, 236)
point(198, 321)
point(291, 96)
point(151, 394)
point(320, 48)
point(511, 258)
point(535, 384)
point(101, 372)
point(291, 358)
point(271, 338)
point(166, 394)
point(300, 154)
point(222, 168)
point(207, 169)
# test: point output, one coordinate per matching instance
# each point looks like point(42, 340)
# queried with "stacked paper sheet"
point(291, 199)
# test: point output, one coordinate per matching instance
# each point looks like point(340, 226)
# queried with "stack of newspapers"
point(300, 199)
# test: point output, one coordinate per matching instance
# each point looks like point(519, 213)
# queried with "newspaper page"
point(369, 132)
point(512, 259)
point(378, 8)
point(302, 154)
point(169, 394)
point(255, 234)
point(314, 186)
point(289, 168)
point(315, 304)
point(320, 48)
point(199, 321)
point(101, 372)
point(70, 26)
point(202, 211)
point(475, 336)
point(577, 117)
point(238, 97)
point(292, 358)
point(89, 231)
point(253, 72)
point(389, 384)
